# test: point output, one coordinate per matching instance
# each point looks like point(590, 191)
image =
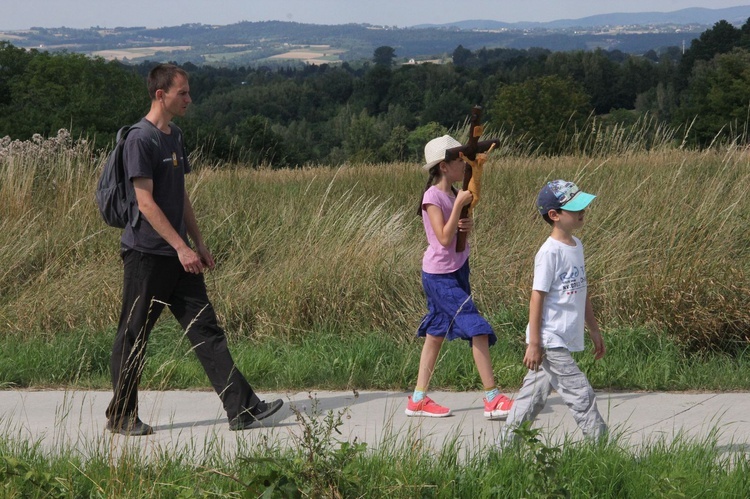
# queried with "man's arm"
point(195, 234)
point(144, 194)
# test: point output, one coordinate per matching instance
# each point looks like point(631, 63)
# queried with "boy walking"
point(558, 310)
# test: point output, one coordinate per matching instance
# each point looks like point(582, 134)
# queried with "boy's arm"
point(533, 357)
point(594, 333)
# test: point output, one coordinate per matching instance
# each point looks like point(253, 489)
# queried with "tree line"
point(376, 111)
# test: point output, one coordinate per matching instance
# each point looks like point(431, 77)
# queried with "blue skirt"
point(451, 311)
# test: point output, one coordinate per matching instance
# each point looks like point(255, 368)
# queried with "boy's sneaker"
point(426, 407)
point(499, 408)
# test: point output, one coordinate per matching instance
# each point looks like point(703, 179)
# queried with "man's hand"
point(206, 257)
point(190, 260)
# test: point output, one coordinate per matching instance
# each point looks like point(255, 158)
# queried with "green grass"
point(322, 265)
point(637, 359)
point(339, 249)
point(322, 465)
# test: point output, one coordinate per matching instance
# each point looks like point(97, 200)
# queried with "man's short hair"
point(162, 76)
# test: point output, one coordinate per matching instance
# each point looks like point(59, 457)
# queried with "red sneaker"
point(426, 407)
point(499, 408)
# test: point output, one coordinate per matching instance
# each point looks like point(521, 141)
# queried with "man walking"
point(161, 268)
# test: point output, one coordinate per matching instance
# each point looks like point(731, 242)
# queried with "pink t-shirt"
point(439, 259)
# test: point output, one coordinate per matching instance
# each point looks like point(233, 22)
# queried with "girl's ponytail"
point(434, 173)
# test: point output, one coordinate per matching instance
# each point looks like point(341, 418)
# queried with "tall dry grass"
point(340, 248)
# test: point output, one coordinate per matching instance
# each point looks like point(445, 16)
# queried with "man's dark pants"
point(150, 283)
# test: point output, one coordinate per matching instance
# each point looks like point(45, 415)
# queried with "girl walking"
point(445, 277)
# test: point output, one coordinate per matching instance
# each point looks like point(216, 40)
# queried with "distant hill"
point(280, 43)
point(693, 16)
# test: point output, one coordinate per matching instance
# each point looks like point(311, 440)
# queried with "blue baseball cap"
point(562, 195)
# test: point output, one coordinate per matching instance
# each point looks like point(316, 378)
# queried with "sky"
point(23, 14)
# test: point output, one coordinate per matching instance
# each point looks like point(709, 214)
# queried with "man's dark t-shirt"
point(151, 153)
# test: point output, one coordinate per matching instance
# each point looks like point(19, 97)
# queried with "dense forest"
point(377, 111)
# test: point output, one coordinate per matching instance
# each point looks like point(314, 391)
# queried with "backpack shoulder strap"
point(123, 132)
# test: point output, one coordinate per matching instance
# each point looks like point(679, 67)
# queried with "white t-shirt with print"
point(559, 271)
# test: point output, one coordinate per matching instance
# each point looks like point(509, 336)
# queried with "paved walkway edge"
point(193, 422)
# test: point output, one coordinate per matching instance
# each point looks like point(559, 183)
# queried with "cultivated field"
point(311, 54)
point(138, 52)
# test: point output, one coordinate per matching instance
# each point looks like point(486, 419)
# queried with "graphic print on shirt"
point(573, 280)
point(173, 160)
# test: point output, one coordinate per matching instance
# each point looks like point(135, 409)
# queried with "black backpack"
point(114, 196)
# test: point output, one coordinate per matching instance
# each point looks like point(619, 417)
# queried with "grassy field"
point(340, 249)
point(322, 266)
point(324, 263)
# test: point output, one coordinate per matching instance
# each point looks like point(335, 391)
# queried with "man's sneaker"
point(426, 407)
point(499, 408)
point(132, 427)
point(260, 411)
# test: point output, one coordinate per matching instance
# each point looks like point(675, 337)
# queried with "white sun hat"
point(434, 151)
